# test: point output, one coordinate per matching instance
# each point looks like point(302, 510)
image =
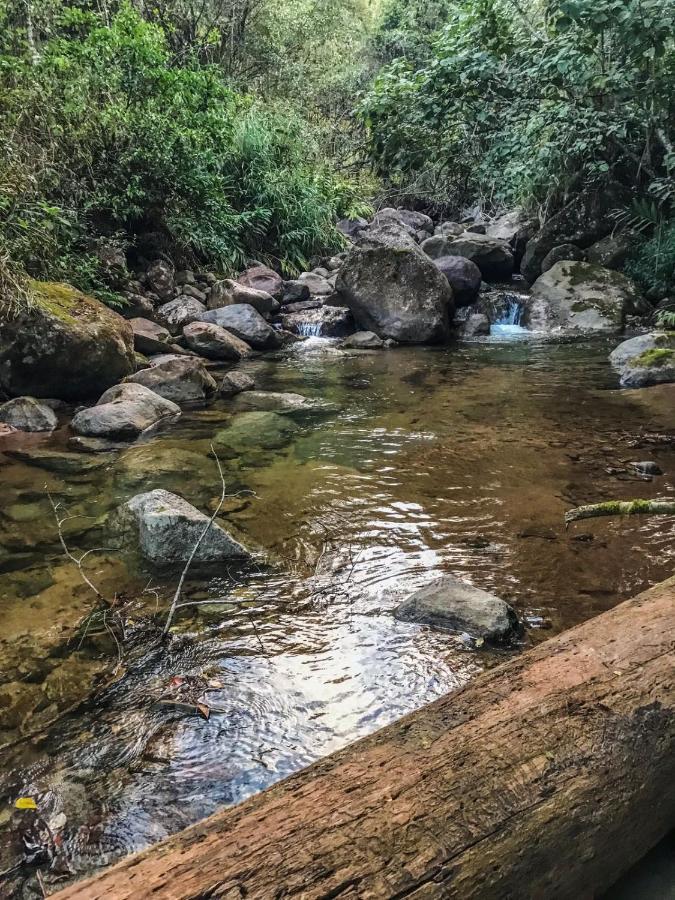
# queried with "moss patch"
point(654, 358)
point(63, 301)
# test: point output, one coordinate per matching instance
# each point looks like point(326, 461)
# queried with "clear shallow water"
point(460, 459)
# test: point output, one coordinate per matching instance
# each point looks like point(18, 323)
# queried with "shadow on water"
point(456, 459)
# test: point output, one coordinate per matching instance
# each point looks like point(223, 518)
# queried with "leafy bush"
point(653, 265)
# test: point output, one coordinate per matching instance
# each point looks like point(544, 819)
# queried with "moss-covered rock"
point(66, 345)
point(578, 297)
point(646, 359)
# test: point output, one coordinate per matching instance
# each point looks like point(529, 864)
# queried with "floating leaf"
point(25, 803)
point(204, 710)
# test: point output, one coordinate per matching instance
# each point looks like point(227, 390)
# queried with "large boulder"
point(234, 383)
point(646, 359)
point(463, 276)
point(181, 379)
point(389, 234)
point(436, 246)
point(506, 227)
point(322, 321)
point(454, 605)
point(123, 412)
point(229, 292)
point(580, 297)
point(214, 342)
point(398, 293)
point(613, 251)
point(245, 323)
point(149, 337)
point(66, 345)
point(563, 253)
point(166, 529)
point(262, 278)
point(178, 313)
point(413, 222)
point(255, 431)
point(449, 229)
point(28, 414)
point(493, 257)
point(317, 285)
point(351, 228)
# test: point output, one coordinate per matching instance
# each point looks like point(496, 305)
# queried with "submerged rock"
point(454, 605)
point(166, 528)
point(27, 414)
point(180, 379)
point(477, 325)
point(124, 411)
point(256, 431)
point(580, 297)
point(646, 359)
point(246, 323)
point(363, 340)
point(398, 293)
point(235, 382)
point(67, 345)
point(281, 402)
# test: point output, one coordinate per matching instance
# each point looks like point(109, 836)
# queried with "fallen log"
point(621, 508)
point(546, 777)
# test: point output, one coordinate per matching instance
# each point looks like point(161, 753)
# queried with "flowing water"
point(460, 459)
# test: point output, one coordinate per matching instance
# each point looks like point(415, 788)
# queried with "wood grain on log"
point(547, 778)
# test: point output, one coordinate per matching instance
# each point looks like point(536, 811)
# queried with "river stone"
point(153, 465)
point(323, 321)
point(178, 313)
point(215, 342)
point(477, 325)
point(398, 293)
point(317, 285)
point(235, 382)
point(124, 411)
point(387, 235)
point(58, 461)
point(160, 277)
point(363, 340)
point(28, 414)
point(493, 258)
point(191, 290)
point(138, 307)
point(464, 277)
point(435, 247)
point(181, 379)
point(580, 297)
point(449, 229)
point(66, 345)
point(646, 359)
point(561, 253)
point(168, 528)
point(255, 431)
point(229, 292)
point(506, 227)
point(149, 337)
point(613, 250)
point(294, 292)
point(262, 278)
point(351, 228)
point(454, 605)
point(245, 323)
point(413, 222)
point(286, 403)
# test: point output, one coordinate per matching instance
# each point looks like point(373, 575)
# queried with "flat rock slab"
point(28, 414)
point(454, 605)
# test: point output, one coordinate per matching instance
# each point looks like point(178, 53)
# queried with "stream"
point(458, 459)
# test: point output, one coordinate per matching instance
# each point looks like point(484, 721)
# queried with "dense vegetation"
point(231, 129)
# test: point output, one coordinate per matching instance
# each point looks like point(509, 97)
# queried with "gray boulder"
point(245, 323)
point(66, 345)
point(262, 278)
point(254, 431)
point(464, 277)
point(178, 313)
point(214, 342)
point(506, 227)
point(28, 414)
point(437, 246)
point(646, 359)
point(166, 528)
point(229, 292)
point(138, 307)
point(562, 253)
point(398, 293)
point(322, 321)
point(317, 285)
point(191, 290)
point(295, 292)
point(413, 222)
point(234, 383)
point(351, 228)
point(580, 297)
point(161, 280)
point(454, 605)
point(477, 325)
point(363, 340)
point(149, 337)
point(388, 234)
point(123, 412)
point(182, 380)
point(612, 251)
point(493, 257)
point(449, 229)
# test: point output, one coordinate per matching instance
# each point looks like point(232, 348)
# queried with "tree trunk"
point(546, 777)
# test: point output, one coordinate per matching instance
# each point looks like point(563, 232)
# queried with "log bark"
point(546, 777)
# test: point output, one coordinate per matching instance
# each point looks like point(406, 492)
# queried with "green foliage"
point(523, 101)
point(653, 264)
point(106, 132)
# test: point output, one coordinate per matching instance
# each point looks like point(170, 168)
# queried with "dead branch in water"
point(621, 508)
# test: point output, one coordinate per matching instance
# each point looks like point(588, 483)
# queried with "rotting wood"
point(547, 777)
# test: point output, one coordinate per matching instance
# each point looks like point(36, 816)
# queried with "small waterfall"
point(508, 323)
point(309, 329)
